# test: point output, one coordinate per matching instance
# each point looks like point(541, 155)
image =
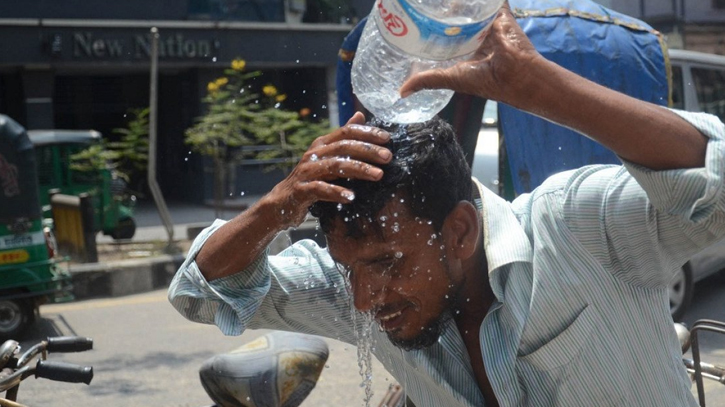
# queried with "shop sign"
point(89, 45)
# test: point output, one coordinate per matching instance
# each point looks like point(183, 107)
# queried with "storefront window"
point(710, 86)
point(239, 10)
point(312, 11)
point(329, 11)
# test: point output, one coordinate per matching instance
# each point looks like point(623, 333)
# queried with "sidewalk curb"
point(123, 277)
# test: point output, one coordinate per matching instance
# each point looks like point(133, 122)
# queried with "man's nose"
point(368, 291)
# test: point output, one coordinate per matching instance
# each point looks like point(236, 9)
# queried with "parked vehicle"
point(698, 85)
point(29, 273)
point(54, 148)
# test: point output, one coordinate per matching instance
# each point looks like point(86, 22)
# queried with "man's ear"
point(462, 229)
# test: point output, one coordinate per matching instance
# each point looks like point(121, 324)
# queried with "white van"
point(698, 85)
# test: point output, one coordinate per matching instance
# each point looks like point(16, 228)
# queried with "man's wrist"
point(528, 91)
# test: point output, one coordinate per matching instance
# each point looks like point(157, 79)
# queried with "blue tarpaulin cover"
point(607, 47)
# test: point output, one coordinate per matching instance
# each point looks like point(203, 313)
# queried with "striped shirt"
point(580, 271)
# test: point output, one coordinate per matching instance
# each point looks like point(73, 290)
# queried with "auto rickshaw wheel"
point(125, 229)
point(15, 316)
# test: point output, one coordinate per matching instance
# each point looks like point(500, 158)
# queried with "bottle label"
point(414, 33)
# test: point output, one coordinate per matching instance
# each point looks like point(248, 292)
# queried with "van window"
point(678, 88)
point(710, 87)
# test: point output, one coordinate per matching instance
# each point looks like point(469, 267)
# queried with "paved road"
point(148, 355)
point(709, 303)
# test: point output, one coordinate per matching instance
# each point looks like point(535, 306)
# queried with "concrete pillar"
point(38, 92)
point(331, 87)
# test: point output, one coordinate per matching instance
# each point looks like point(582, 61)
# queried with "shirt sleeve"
point(644, 224)
point(297, 290)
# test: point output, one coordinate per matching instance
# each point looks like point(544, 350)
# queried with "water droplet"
point(398, 255)
point(339, 207)
point(396, 227)
point(314, 157)
point(282, 211)
point(297, 61)
point(241, 193)
point(213, 59)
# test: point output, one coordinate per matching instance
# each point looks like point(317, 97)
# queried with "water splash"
point(363, 323)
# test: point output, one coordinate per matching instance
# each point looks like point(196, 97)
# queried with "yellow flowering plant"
point(238, 120)
point(269, 90)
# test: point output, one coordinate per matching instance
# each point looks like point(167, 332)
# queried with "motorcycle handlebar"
point(69, 344)
point(64, 372)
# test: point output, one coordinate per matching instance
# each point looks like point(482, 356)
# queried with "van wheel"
point(125, 229)
point(681, 290)
point(15, 316)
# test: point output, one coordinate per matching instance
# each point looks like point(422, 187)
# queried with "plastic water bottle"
point(402, 37)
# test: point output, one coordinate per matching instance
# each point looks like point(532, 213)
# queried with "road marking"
point(155, 297)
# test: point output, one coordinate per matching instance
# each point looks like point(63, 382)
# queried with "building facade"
point(82, 64)
point(697, 25)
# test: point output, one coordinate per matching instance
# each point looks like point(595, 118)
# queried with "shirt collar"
point(504, 240)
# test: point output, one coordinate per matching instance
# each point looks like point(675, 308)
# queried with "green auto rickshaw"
point(113, 208)
point(29, 273)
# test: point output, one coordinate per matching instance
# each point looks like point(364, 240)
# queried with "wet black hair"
point(428, 170)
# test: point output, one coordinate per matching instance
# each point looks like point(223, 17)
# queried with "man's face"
point(401, 273)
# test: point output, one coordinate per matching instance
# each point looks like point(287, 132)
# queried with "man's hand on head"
point(353, 151)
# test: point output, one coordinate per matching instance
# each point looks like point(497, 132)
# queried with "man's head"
point(404, 238)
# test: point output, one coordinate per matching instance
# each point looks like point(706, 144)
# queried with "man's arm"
point(350, 152)
point(507, 68)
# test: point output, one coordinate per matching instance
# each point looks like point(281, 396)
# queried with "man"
point(556, 299)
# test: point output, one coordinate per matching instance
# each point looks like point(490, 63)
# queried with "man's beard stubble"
point(428, 335)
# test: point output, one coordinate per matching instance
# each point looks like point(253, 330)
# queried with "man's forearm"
point(637, 131)
point(234, 246)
